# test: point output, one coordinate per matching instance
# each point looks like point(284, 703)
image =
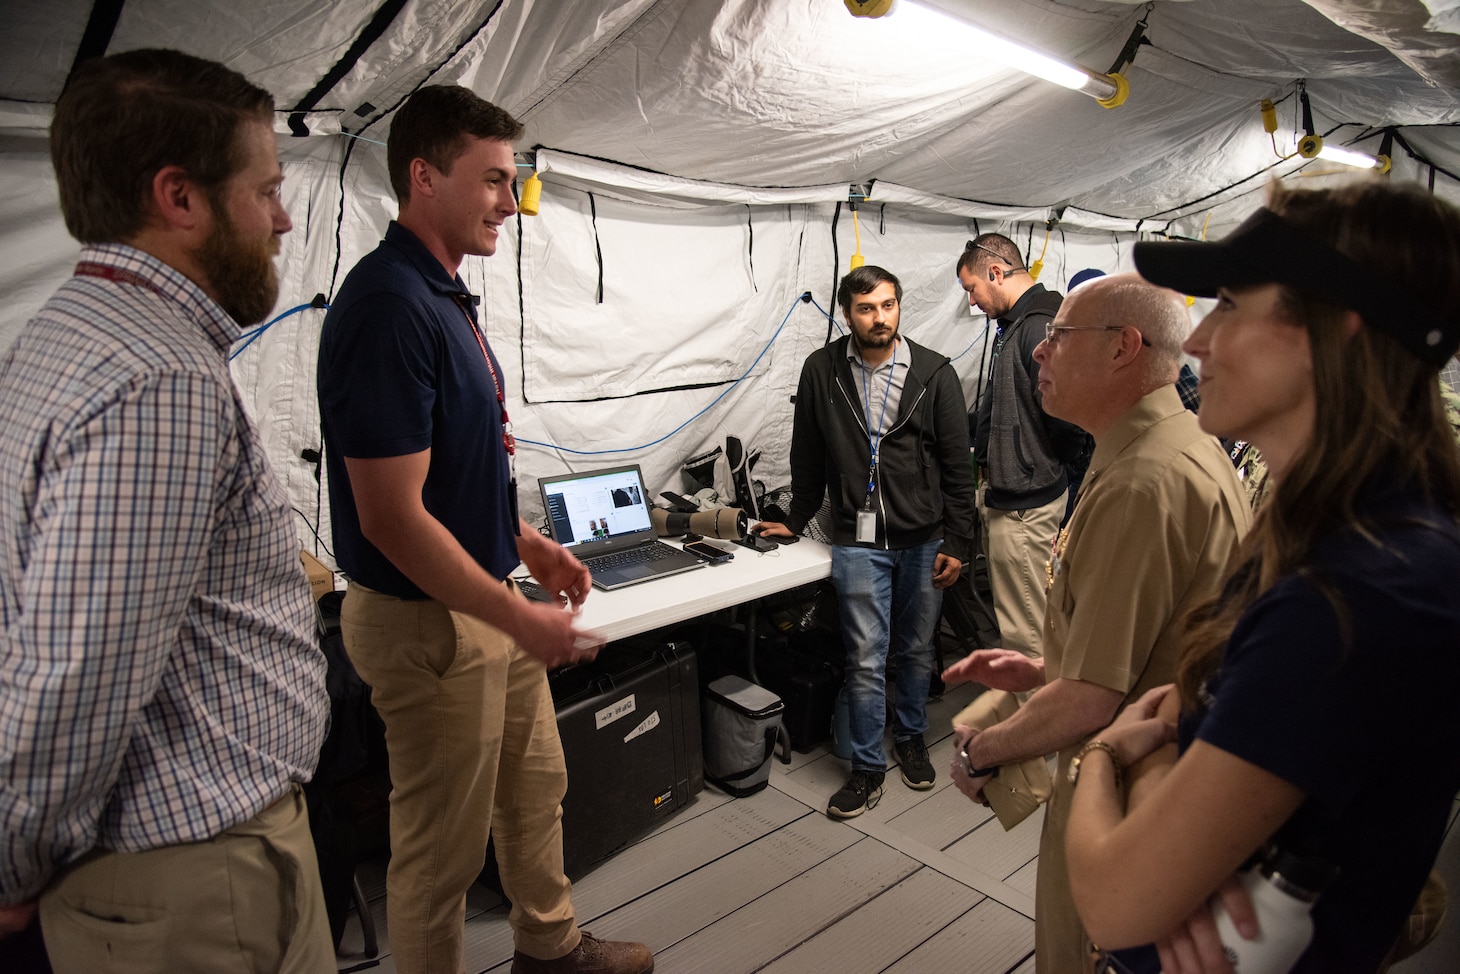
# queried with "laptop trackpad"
point(634, 571)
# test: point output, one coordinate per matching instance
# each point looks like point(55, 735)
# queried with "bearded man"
point(161, 694)
point(881, 428)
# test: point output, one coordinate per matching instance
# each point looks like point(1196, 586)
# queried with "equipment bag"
point(742, 722)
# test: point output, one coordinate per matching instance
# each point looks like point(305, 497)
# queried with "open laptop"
point(602, 517)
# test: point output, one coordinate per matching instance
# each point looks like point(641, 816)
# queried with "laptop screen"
point(598, 510)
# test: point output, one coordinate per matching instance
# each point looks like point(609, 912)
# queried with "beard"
point(872, 341)
point(240, 271)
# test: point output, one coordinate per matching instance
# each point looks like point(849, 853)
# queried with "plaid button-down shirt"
point(159, 677)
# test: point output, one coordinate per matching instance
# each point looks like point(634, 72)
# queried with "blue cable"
point(975, 341)
point(362, 138)
point(722, 395)
point(829, 317)
point(249, 337)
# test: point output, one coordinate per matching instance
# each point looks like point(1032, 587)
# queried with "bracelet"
point(1093, 745)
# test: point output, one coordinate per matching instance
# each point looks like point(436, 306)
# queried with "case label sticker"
point(649, 723)
point(613, 712)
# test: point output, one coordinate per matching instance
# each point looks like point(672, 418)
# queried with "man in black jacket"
point(882, 427)
point(1023, 454)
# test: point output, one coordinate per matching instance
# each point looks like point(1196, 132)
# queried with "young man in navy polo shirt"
point(423, 497)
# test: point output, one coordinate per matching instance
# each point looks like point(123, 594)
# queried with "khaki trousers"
point(473, 743)
point(1060, 944)
point(248, 900)
point(1017, 546)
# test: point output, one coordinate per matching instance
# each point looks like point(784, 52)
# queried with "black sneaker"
point(862, 791)
point(912, 757)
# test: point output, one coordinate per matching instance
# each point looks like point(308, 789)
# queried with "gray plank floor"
point(924, 882)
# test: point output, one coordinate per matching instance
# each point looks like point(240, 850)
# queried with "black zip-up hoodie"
point(925, 482)
point(1026, 454)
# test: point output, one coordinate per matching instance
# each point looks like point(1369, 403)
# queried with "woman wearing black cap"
point(1316, 702)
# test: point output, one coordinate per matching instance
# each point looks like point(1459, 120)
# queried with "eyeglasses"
point(1052, 332)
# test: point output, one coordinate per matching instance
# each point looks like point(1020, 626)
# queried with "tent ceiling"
point(776, 93)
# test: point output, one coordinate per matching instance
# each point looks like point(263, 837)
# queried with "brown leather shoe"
point(591, 956)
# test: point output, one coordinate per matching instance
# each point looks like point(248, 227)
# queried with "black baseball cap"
point(1266, 249)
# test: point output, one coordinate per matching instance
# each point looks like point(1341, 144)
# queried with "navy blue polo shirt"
point(400, 371)
point(1356, 708)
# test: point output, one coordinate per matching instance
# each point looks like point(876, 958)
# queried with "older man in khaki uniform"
point(1155, 520)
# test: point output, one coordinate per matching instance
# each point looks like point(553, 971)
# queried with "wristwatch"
point(1095, 745)
point(968, 765)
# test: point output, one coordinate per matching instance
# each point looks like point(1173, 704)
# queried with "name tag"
point(867, 526)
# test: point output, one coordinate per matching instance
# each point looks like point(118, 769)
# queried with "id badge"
point(867, 526)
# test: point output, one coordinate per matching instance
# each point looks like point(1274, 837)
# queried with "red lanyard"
point(88, 268)
point(508, 442)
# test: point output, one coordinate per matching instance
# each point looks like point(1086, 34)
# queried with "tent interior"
point(706, 163)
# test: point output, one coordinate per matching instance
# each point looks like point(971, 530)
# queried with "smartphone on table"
point(777, 539)
point(708, 552)
point(757, 542)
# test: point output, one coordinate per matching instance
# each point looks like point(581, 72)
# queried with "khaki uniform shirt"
point(1157, 518)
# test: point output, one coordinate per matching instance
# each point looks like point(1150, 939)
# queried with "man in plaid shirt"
point(161, 693)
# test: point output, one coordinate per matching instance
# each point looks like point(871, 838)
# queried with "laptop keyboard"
point(648, 554)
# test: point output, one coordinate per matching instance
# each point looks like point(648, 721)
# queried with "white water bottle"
point(1283, 890)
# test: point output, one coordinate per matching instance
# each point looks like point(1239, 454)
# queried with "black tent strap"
point(654, 391)
point(1307, 107)
point(340, 215)
point(597, 247)
point(367, 108)
point(1133, 43)
point(98, 34)
point(1417, 157)
point(521, 302)
point(836, 261)
point(383, 17)
point(750, 245)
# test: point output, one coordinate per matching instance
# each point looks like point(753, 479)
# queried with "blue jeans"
point(884, 593)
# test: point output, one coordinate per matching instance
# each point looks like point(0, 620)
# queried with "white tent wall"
point(706, 149)
point(276, 370)
point(38, 253)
